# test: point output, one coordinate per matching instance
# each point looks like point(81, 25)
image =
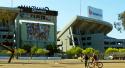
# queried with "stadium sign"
point(39, 9)
point(95, 13)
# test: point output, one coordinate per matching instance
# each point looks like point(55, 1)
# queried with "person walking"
point(95, 60)
point(86, 58)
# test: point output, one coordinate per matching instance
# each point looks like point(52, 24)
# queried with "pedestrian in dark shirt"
point(86, 60)
point(95, 59)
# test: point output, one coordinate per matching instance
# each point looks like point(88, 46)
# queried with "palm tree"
point(33, 50)
point(41, 51)
point(122, 17)
point(20, 51)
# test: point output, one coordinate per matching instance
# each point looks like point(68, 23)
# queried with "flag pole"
point(80, 6)
point(11, 3)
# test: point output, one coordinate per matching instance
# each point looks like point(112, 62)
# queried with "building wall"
point(65, 39)
point(20, 29)
point(39, 41)
point(7, 35)
point(7, 26)
point(96, 41)
point(91, 40)
point(114, 43)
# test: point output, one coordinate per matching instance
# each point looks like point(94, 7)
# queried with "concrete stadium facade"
point(28, 25)
point(87, 32)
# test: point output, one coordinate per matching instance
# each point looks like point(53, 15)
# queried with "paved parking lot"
point(69, 63)
point(106, 65)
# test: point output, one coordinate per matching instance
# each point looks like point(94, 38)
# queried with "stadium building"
point(87, 32)
point(28, 25)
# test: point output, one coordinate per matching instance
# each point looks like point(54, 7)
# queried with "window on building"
point(88, 38)
point(119, 47)
point(9, 36)
point(4, 30)
point(89, 43)
point(92, 32)
point(42, 17)
point(113, 43)
point(106, 48)
point(119, 43)
point(82, 33)
point(76, 41)
point(83, 44)
point(3, 36)
point(83, 38)
point(58, 39)
point(106, 43)
point(71, 43)
point(8, 43)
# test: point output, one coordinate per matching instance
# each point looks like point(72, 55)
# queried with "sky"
point(67, 9)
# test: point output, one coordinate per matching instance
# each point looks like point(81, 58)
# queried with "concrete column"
point(72, 38)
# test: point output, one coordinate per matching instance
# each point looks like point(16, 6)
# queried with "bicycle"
point(98, 64)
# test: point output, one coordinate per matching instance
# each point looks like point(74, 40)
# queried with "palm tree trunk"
point(12, 55)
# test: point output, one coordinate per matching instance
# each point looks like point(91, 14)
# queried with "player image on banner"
point(36, 31)
point(44, 32)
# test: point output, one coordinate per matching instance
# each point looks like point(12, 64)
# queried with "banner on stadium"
point(95, 13)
